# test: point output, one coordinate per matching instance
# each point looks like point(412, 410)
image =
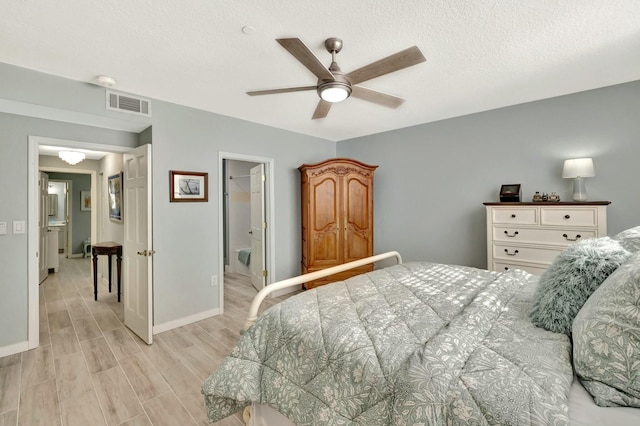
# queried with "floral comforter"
point(417, 343)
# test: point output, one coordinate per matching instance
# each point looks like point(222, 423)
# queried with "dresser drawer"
point(569, 216)
point(559, 237)
point(524, 254)
point(521, 216)
point(505, 266)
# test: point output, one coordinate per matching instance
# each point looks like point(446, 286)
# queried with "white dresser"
point(529, 236)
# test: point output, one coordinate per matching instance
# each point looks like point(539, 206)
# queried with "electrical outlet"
point(214, 281)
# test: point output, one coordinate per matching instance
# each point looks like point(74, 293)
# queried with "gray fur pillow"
point(576, 273)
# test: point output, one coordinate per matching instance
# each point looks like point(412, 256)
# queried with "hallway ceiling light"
point(71, 157)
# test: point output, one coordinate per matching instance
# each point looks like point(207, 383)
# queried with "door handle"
point(146, 253)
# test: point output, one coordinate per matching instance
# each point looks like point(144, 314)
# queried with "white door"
point(258, 228)
point(43, 225)
point(138, 245)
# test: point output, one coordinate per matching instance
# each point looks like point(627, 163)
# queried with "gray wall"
point(433, 178)
point(183, 139)
point(81, 220)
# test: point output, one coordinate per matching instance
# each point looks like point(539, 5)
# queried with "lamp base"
point(579, 190)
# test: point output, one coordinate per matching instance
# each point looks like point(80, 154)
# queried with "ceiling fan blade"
point(376, 97)
point(285, 90)
point(395, 62)
point(302, 53)
point(322, 109)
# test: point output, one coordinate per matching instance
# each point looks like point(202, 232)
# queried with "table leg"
point(95, 276)
point(109, 273)
point(119, 263)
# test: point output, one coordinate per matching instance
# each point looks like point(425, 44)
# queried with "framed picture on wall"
point(188, 186)
point(85, 201)
point(115, 197)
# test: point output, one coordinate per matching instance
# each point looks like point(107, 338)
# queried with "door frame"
point(33, 321)
point(269, 211)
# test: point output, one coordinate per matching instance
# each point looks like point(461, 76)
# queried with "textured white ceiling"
point(480, 55)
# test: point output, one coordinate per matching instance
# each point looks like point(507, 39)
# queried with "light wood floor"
point(91, 370)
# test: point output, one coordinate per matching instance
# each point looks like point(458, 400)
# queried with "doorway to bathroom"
point(245, 226)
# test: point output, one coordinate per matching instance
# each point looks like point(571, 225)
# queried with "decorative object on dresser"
point(337, 216)
point(529, 236)
point(538, 198)
point(510, 192)
point(577, 169)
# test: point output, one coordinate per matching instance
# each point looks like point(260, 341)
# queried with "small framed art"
point(115, 197)
point(188, 186)
point(85, 201)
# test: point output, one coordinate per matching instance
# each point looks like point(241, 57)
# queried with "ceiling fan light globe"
point(334, 94)
point(334, 91)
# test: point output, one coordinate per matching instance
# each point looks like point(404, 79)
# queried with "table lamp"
point(578, 169)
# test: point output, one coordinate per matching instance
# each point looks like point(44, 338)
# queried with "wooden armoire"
point(337, 216)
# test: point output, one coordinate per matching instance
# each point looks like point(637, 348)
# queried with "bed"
point(413, 343)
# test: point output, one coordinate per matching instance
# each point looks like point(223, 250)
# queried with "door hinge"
point(264, 225)
point(264, 178)
point(264, 273)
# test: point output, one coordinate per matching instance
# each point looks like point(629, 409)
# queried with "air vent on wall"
point(130, 104)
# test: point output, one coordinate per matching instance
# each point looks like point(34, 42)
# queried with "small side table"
point(108, 248)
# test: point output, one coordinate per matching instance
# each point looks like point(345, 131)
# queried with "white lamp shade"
point(578, 167)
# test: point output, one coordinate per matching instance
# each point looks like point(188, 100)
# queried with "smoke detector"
point(105, 81)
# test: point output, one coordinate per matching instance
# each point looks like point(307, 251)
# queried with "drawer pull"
point(506, 268)
point(566, 216)
point(566, 237)
point(512, 235)
point(511, 254)
point(513, 215)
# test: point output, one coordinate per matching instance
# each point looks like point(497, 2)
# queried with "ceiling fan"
point(334, 85)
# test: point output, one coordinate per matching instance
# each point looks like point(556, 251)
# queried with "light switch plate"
point(3, 228)
point(18, 226)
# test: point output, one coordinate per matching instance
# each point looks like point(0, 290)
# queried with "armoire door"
point(324, 228)
point(357, 207)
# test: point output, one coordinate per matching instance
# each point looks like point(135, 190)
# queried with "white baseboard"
point(14, 349)
point(75, 255)
point(284, 291)
point(170, 325)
